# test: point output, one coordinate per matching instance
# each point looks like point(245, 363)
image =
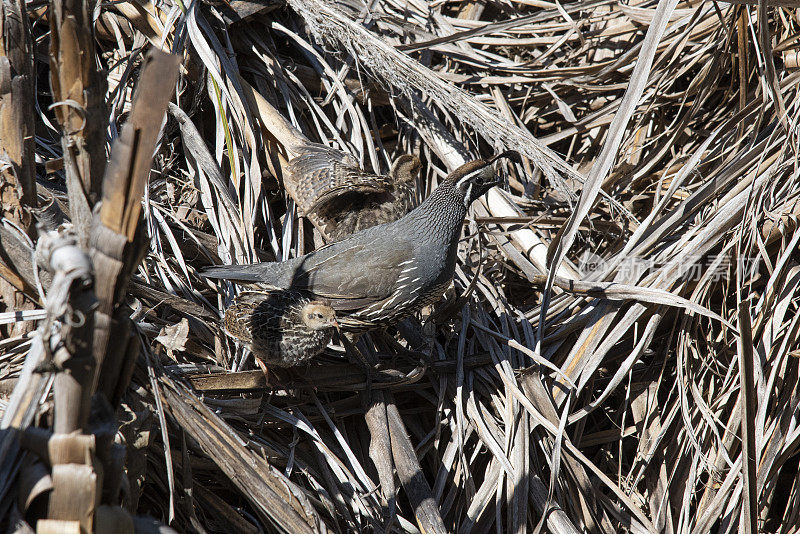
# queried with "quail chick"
point(281, 328)
point(378, 276)
point(345, 198)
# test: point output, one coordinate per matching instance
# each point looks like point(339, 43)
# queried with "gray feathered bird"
point(379, 275)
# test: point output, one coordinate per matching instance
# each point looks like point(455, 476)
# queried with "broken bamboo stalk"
point(117, 240)
point(79, 105)
point(17, 177)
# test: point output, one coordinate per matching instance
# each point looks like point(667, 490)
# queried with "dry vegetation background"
point(655, 389)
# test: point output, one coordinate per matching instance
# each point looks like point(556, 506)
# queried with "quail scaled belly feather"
point(330, 184)
point(382, 274)
point(280, 327)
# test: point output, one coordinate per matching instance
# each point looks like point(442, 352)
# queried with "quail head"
point(281, 328)
point(346, 199)
point(379, 275)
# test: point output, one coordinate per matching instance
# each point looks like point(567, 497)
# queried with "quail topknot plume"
point(347, 199)
point(379, 275)
point(281, 328)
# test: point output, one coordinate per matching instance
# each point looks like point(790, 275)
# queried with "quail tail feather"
point(272, 274)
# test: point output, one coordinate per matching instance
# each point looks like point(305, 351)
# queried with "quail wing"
point(351, 274)
point(358, 275)
point(323, 173)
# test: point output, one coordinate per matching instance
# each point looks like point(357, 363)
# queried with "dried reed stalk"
point(18, 197)
point(78, 92)
point(627, 418)
point(117, 238)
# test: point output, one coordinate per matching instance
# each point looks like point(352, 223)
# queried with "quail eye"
point(310, 315)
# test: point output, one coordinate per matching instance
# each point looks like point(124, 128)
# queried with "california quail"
point(379, 275)
point(280, 327)
point(346, 199)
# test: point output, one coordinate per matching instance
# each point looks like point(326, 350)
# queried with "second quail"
point(281, 328)
point(347, 199)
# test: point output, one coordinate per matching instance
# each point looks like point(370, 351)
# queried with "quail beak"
point(498, 182)
point(336, 325)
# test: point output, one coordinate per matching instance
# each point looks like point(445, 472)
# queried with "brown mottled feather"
point(344, 197)
point(320, 169)
point(281, 328)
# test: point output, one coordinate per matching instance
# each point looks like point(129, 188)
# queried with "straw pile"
point(619, 350)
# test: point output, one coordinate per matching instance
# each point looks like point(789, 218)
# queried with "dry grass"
point(660, 137)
